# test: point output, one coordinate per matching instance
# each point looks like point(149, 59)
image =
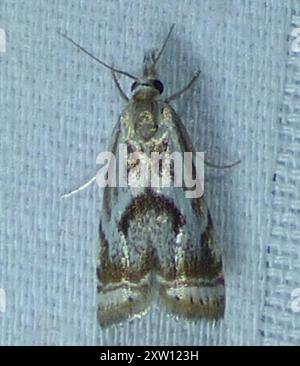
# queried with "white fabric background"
point(57, 110)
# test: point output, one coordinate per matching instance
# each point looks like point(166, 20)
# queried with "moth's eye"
point(158, 85)
point(133, 86)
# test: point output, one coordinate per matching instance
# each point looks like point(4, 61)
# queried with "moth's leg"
point(122, 93)
point(212, 165)
point(183, 90)
point(81, 188)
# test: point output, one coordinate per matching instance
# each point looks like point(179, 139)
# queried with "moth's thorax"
point(145, 92)
point(144, 118)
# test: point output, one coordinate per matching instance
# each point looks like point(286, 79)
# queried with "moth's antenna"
point(164, 44)
point(96, 59)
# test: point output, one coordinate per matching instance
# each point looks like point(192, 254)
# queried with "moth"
point(155, 244)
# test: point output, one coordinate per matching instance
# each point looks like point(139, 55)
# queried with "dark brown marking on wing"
point(103, 255)
point(211, 266)
point(184, 141)
point(197, 263)
point(184, 138)
point(107, 200)
point(199, 206)
point(203, 263)
point(151, 201)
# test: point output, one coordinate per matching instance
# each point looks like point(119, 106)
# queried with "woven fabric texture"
point(57, 111)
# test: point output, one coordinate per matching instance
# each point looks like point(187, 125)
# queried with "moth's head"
point(145, 89)
point(149, 85)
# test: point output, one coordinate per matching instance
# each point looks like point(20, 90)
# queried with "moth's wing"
point(123, 282)
point(195, 287)
point(123, 275)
